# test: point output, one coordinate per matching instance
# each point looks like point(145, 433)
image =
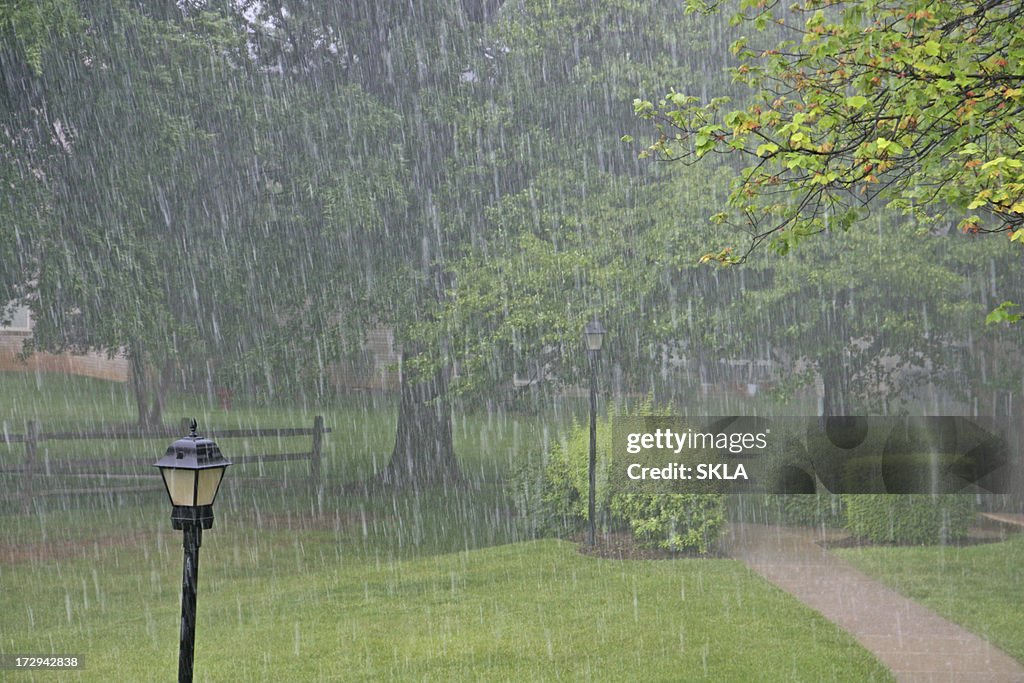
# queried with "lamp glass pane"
point(594, 340)
point(180, 485)
point(209, 482)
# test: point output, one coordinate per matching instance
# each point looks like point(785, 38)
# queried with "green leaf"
point(1001, 314)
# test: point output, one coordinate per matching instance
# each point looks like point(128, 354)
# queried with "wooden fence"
point(138, 473)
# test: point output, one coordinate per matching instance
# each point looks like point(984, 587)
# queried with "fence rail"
point(33, 470)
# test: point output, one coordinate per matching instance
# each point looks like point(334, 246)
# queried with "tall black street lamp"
point(593, 334)
point(192, 469)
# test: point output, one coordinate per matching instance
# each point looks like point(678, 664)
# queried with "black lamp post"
point(192, 469)
point(593, 334)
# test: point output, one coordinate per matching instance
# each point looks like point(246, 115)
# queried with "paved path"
point(1005, 518)
point(914, 642)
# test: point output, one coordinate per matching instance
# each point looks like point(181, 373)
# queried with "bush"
point(526, 485)
point(799, 509)
point(669, 521)
point(918, 519)
point(568, 472)
point(672, 521)
point(811, 509)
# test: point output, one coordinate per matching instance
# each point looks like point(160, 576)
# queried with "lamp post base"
point(185, 516)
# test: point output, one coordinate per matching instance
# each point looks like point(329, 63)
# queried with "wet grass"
point(436, 585)
point(978, 586)
point(292, 598)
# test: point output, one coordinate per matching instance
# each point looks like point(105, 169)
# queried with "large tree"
point(488, 102)
point(384, 237)
point(177, 211)
point(854, 108)
point(876, 316)
point(109, 127)
point(853, 311)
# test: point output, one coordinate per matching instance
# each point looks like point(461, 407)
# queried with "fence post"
point(31, 442)
point(314, 457)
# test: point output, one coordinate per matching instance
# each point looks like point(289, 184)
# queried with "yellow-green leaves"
point(886, 148)
point(1002, 314)
point(724, 257)
point(856, 101)
point(908, 102)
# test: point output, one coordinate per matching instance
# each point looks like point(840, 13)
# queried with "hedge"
point(916, 519)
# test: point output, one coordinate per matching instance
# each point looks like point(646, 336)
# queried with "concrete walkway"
point(914, 642)
point(1005, 518)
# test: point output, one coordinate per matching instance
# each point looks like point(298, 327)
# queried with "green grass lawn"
point(978, 587)
point(435, 585)
point(320, 604)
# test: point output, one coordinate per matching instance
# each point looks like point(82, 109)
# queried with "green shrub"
point(669, 521)
point(799, 509)
point(918, 519)
point(525, 485)
point(672, 521)
point(568, 472)
point(811, 509)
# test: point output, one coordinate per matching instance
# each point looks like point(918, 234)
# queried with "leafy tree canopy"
point(912, 103)
point(165, 197)
point(851, 307)
point(568, 249)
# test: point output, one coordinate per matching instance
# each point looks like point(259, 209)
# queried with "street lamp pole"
point(192, 470)
point(592, 491)
point(192, 538)
point(593, 333)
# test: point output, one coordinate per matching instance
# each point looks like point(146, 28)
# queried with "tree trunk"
point(423, 454)
point(149, 388)
point(835, 376)
point(835, 399)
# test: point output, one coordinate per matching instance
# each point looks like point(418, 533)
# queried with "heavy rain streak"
point(320, 323)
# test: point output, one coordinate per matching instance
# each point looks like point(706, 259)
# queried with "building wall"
point(88, 365)
point(377, 370)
